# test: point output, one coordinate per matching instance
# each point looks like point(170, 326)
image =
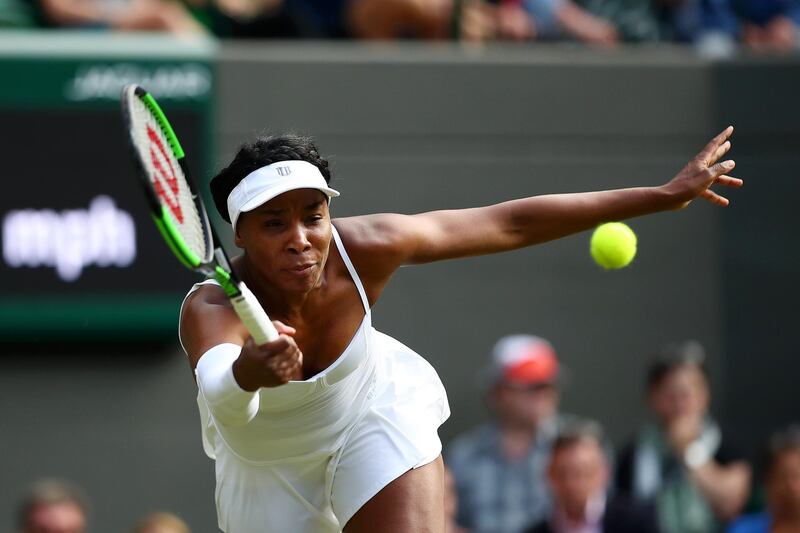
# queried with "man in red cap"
point(500, 467)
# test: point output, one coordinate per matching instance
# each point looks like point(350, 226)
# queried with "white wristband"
point(228, 402)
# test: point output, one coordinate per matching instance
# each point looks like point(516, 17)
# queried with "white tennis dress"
point(318, 449)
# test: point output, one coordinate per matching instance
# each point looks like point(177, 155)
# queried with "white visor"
point(265, 183)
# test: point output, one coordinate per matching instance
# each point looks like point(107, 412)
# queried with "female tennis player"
point(334, 425)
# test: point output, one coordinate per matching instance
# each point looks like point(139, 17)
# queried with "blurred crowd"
point(59, 506)
point(710, 24)
point(534, 469)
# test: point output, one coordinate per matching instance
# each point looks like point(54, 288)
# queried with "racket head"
point(175, 203)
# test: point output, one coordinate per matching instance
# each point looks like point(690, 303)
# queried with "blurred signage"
point(68, 241)
point(106, 80)
point(79, 254)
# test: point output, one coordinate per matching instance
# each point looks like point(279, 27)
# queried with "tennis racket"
point(177, 207)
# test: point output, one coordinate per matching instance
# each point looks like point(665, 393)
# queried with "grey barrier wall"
point(413, 128)
point(760, 254)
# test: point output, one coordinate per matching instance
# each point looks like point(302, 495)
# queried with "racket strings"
point(167, 177)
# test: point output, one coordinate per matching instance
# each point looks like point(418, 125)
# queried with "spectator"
point(392, 19)
point(363, 19)
point(513, 21)
point(633, 20)
point(560, 19)
point(782, 479)
point(770, 24)
point(255, 19)
point(683, 462)
point(499, 467)
point(597, 22)
point(53, 506)
point(482, 20)
point(578, 475)
point(161, 523)
point(704, 23)
point(131, 15)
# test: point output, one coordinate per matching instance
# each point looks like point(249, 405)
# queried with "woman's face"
point(287, 239)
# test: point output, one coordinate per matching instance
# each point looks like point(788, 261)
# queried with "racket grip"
point(252, 314)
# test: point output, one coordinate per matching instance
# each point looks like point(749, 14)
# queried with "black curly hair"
point(260, 153)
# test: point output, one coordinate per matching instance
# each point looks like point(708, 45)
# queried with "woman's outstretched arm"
point(389, 241)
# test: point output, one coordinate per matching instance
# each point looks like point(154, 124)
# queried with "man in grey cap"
point(500, 466)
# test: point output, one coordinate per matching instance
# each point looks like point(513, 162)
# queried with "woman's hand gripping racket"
point(177, 207)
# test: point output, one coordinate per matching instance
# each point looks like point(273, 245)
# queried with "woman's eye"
point(273, 223)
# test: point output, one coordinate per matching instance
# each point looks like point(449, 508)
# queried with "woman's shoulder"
point(207, 318)
point(368, 230)
point(383, 237)
point(207, 292)
point(375, 246)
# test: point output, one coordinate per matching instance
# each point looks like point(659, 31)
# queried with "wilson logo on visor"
point(164, 175)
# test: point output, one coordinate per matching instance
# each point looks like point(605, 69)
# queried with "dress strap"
point(351, 269)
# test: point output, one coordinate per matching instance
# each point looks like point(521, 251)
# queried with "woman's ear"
point(237, 238)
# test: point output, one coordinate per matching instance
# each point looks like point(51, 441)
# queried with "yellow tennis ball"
point(613, 245)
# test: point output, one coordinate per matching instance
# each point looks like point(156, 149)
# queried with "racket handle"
point(252, 314)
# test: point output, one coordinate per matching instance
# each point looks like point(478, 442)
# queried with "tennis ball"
point(613, 245)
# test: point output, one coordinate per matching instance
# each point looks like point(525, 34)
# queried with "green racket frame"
point(210, 265)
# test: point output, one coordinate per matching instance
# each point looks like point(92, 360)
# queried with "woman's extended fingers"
point(714, 198)
point(704, 170)
point(723, 179)
point(721, 150)
point(729, 181)
point(715, 171)
point(707, 154)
